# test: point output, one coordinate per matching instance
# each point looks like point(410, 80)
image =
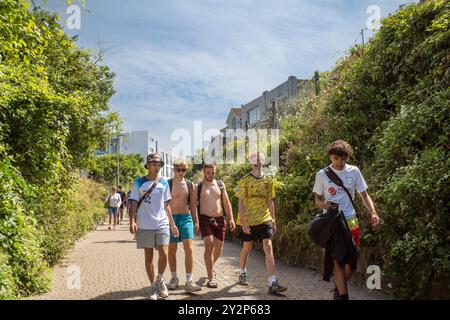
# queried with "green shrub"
point(8, 289)
point(20, 239)
point(104, 169)
point(390, 101)
point(53, 114)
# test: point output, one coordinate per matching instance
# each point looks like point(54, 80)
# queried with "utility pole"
point(362, 36)
point(118, 160)
point(119, 136)
point(316, 82)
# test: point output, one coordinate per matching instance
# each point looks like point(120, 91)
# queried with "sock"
point(188, 277)
point(174, 275)
point(159, 278)
point(272, 279)
point(344, 296)
point(153, 284)
point(243, 270)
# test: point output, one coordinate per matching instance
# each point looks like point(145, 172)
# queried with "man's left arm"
point(228, 208)
point(270, 203)
point(361, 187)
point(167, 198)
point(193, 207)
point(368, 203)
point(271, 206)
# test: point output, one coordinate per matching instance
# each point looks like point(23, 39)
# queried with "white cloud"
point(181, 61)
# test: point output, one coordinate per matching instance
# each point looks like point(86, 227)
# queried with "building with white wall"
point(249, 115)
point(135, 142)
point(167, 170)
point(141, 142)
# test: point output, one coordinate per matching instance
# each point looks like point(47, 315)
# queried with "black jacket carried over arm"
point(339, 246)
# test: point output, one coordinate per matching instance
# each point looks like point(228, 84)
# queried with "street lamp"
point(118, 157)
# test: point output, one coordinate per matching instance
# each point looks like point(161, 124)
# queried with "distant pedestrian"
point(122, 204)
point(114, 202)
point(127, 204)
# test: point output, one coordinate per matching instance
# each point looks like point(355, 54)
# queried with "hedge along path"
point(111, 267)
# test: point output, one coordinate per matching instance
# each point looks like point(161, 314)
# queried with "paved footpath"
point(112, 268)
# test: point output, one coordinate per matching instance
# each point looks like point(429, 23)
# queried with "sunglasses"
point(180, 170)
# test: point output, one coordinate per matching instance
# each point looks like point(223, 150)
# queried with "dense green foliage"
point(390, 100)
point(104, 169)
point(53, 112)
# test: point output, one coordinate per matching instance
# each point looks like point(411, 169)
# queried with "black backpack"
point(199, 192)
point(190, 186)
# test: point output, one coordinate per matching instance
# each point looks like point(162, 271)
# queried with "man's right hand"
point(245, 228)
point(133, 227)
point(329, 204)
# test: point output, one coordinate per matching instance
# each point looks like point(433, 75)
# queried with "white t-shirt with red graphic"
point(353, 180)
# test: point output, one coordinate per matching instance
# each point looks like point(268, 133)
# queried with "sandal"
point(211, 283)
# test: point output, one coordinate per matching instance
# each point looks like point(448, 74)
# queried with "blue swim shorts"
point(185, 226)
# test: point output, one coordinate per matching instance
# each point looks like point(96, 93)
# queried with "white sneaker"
point(153, 293)
point(162, 289)
point(173, 284)
point(191, 287)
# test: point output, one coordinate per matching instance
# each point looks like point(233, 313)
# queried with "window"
point(253, 116)
point(233, 123)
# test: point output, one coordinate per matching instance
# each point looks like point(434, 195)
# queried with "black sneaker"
point(276, 288)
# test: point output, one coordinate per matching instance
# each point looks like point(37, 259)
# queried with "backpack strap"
point(190, 189)
point(199, 192)
point(336, 180)
point(221, 187)
point(147, 193)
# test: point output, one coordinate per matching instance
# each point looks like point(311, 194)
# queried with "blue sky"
point(180, 61)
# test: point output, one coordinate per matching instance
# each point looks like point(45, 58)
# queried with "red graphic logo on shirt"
point(332, 191)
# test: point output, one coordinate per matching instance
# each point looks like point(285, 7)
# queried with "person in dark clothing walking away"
point(328, 194)
point(122, 205)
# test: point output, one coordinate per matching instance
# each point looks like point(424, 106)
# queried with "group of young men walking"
point(166, 212)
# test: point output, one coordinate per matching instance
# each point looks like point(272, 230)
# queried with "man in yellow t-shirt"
point(257, 218)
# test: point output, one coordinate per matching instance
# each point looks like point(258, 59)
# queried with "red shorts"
point(212, 226)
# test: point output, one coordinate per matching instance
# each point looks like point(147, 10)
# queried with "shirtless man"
point(213, 201)
point(184, 212)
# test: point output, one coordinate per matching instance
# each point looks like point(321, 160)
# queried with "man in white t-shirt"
point(114, 202)
point(327, 194)
point(151, 221)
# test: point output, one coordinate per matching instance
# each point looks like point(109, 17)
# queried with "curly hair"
point(340, 148)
